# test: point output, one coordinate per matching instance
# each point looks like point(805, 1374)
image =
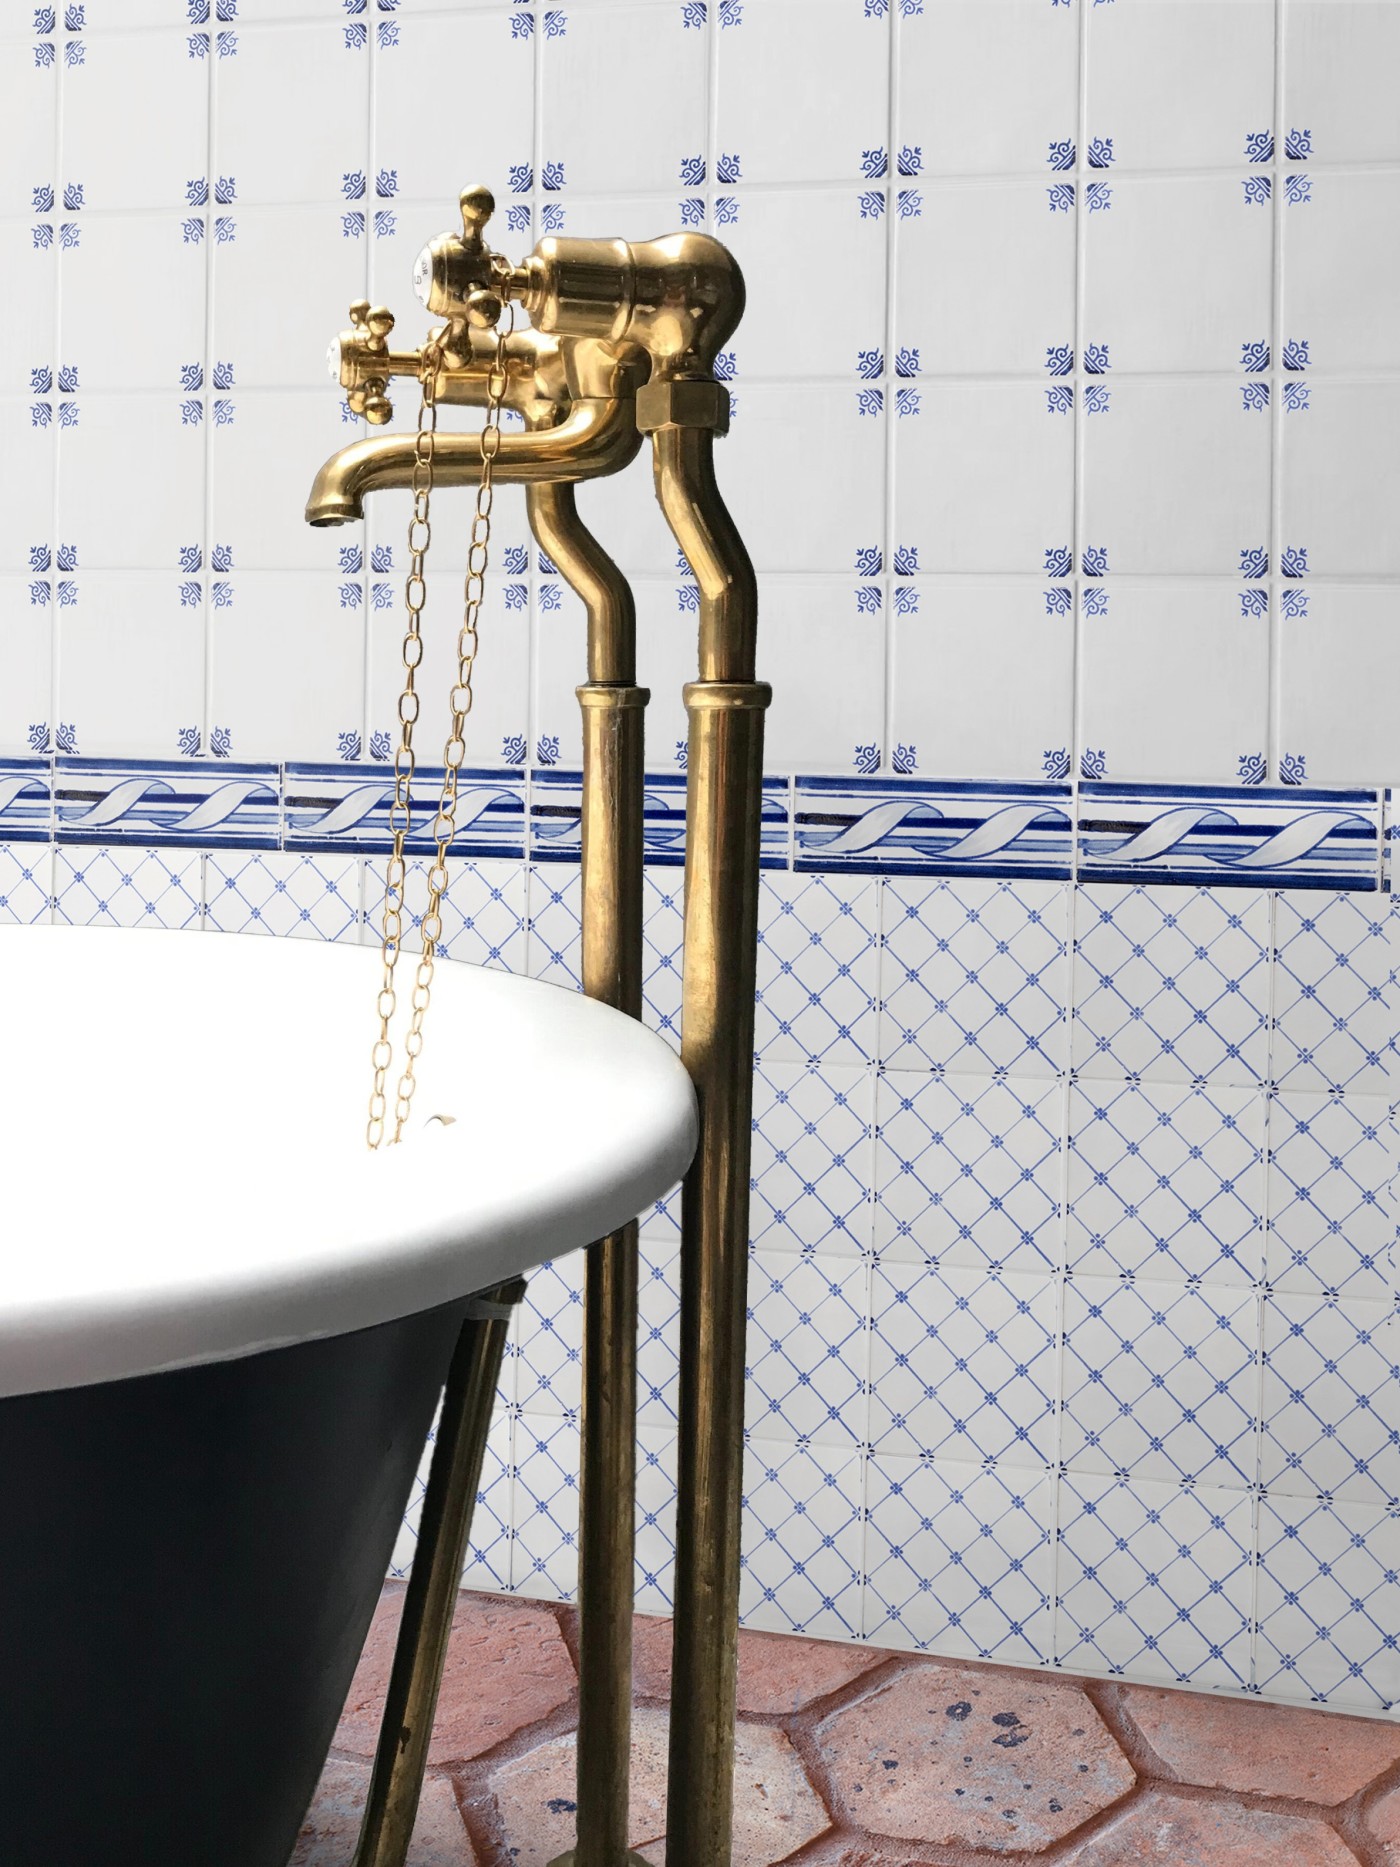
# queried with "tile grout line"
point(1273, 723)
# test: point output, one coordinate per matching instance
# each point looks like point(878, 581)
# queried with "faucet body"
point(622, 344)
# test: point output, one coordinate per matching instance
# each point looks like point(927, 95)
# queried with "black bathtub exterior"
point(189, 1563)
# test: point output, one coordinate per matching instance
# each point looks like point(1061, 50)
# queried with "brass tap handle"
point(455, 276)
point(354, 356)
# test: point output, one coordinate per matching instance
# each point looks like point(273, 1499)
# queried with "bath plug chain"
point(405, 759)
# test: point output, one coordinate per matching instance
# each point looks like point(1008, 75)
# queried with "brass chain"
point(405, 762)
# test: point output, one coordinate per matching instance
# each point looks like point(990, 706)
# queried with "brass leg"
point(431, 1597)
point(725, 767)
point(612, 972)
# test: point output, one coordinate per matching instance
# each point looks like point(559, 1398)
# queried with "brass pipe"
point(431, 1598)
point(723, 802)
point(612, 972)
point(598, 436)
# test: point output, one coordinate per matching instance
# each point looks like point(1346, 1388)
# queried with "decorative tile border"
point(1195, 834)
point(189, 803)
point(556, 803)
point(1191, 835)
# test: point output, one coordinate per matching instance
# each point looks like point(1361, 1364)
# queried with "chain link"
point(420, 534)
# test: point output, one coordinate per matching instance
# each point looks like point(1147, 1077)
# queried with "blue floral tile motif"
point(1253, 768)
point(1096, 360)
point(1055, 763)
point(1062, 155)
point(1194, 833)
point(343, 807)
point(870, 365)
point(1059, 359)
point(1059, 400)
point(869, 600)
point(871, 203)
point(1294, 561)
point(1296, 397)
point(1095, 560)
point(26, 800)
point(1254, 397)
point(1258, 190)
point(166, 804)
point(1254, 356)
point(1254, 603)
point(1254, 562)
point(1093, 601)
point(1061, 197)
point(874, 164)
point(694, 14)
point(1100, 152)
point(1297, 190)
point(1295, 354)
point(1093, 763)
point(1297, 145)
point(907, 402)
point(1059, 600)
point(1259, 146)
point(916, 826)
point(556, 805)
point(906, 362)
point(1059, 561)
point(866, 759)
point(1294, 603)
point(1098, 196)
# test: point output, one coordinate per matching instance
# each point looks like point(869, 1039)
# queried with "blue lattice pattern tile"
point(658, 1335)
point(556, 806)
point(26, 883)
point(975, 976)
point(347, 807)
point(26, 800)
point(962, 1364)
point(1166, 1182)
point(663, 945)
point(1331, 1214)
point(808, 1350)
point(657, 1450)
point(127, 887)
point(546, 1463)
point(487, 1563)
point(1155, 1581)
point(191, 802)
point(1269, 838)
point(549, 1350)
point(1171, 984)
point(1331, 1427)
point(918, 827)
point(484, 919)
point(811, 1164)
point(968, 1171)
point(556, 926)
point(818, 968)
point(803, 1534)
point(1335, 1004)
point(1328, 1603)
point(959, 1558)
point(1160, 1381)
point(315, 898)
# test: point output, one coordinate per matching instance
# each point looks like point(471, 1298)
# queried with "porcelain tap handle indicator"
point(358, 359)
point(454, 276)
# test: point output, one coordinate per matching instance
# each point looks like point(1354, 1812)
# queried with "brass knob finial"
point(478, 204)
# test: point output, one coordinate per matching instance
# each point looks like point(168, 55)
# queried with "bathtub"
point(224, 1326)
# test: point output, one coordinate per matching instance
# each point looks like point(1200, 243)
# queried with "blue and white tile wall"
point(1067, 440)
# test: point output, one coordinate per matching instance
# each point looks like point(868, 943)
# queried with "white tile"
point(1329, 1373)
point(969, 1171)
point(1142, 297)
point(287, 661)
point(666, 659)
point(958, 1559)
point(642, 54)
point(29, 276)
point(1204, 662)
point(954, 55)
point(28, 128)
point(1341, 275)
point(1171, 984)
point(985, 280)
point(812, 1153)
point(144, 156)
point(983, 476)
point(818, 968)
point(802, 1539)
point(1155, 1581)
point(26, 648)
point(291, 114)
point(261, 465)
point(113, 533)
point(115, 623)
point(423, 135)
point(115, 347)
point(1340, 639)
point(982, 677)
point(1160, 1382)
point(277, 321)
point(792, 49)
point(773, 239)
point(1338, 65)
point(795, 520)
point(975, 976)
point(1331, 1226)
point(28, 463)
point(312, 897)
point(1328, 1599)
point(128, 888)
point(1341, 478)
point(1180, 85)
point(1166, 1182)
point(484, 920)
point(26, 884)
point(962, 1364)
point(1335, 1004)
point(825, 657)
point(808, 1349)
point(1176, 477)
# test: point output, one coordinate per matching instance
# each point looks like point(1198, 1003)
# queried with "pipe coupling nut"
point(683, 402)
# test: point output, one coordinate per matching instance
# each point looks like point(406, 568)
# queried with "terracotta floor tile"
point(507, 1667)
point(948, 1755)
point(778, 1673)
point(1271, 1750)
point(1162, 1830)
point(776, 1810)
point(332, 1823)
point(1383, 1823)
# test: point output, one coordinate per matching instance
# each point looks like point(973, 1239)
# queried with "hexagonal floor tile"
point(332, 1824)
point(1162, 1830)
point(778, 1673)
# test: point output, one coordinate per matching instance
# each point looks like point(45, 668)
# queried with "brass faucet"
point(622, 343)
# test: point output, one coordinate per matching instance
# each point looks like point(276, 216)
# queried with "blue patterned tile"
point(657, 1451)
point(1331, 1220)
point(26, 800)
point(26, 884)
point(556, 926)
point(484, 920)
point(1328, 1605)
point(958, 1559)
point(1155, 1581)
point(199, 805)
point(892, 826)
point(658, 1334)
point(346, 807)
point(802, 1539)
point(1330, 1423)
point(810, 1174)
point(1267, 838)
point(818, 968)
point(807, 1350)
point(1335, 997)
point(556, 804)
point(128, 888)
point(276, 893)
point(544, 1560)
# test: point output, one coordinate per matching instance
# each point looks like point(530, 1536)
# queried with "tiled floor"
point(853, 1757)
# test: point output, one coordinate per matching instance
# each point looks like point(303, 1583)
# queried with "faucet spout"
point(598, 436)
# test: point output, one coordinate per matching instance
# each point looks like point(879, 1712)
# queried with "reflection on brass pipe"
point(592, 575)
point(684, 465)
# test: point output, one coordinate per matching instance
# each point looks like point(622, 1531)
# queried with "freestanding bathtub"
point(224, 1326)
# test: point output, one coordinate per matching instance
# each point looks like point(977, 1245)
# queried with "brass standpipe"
point(623, 344)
